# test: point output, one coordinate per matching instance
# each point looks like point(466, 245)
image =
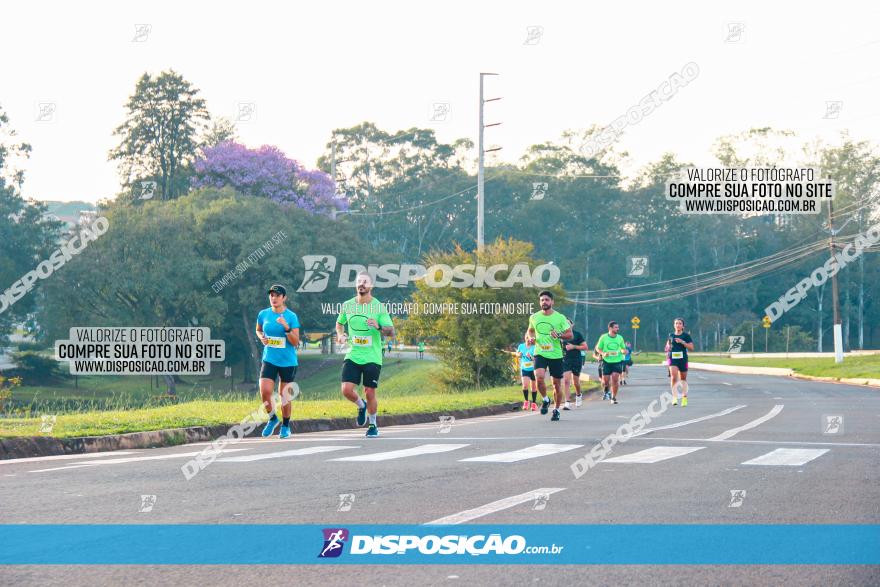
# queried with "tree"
point(268, 173)
point(159, 137)
point(472, 345)
point(26, 237)
point(222, 130)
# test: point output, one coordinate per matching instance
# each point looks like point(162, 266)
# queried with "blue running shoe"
point(270, 426)
point(555, 416)
point(372, 431)
point(362, 415)
point(285, 431)
point(545, 406)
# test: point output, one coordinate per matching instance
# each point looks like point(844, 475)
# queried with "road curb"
point(41, 446)
point(782, 372)
point(862, 381)
point(741, 369)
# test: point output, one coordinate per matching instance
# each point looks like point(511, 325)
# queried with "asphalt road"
point(748, 449)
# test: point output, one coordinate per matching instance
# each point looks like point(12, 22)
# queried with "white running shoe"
point(578, 401)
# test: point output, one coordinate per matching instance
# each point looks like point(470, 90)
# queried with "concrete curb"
point(781, 372)
point(741, 370)
point(863, 381)
point(40, 446)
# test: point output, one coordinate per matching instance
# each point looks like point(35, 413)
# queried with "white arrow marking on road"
point(86, 455)
point(131, 460)
point(788, 456)
point(284, 453)
point(654, 454)
point(686, 422)
point(495, 506)
point(424, 449)
point(754, 423)
point(531, 452)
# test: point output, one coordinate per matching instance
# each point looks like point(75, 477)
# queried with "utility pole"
point(835, 293)
point(481, 195)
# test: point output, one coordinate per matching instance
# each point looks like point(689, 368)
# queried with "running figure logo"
point(446, 423)
point(318, 270)
point(147, 503)
point(47, 423)
point(346, 500)
point(832, 424)
point(736, 343)
point(541, 501)
point(637, 267)
point(539, 190)
point(737, 496)
point(334, 540)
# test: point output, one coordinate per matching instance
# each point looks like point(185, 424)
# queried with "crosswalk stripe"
point(654, 454)
point(85, 455)
point(686, 422)
point(423, 449)
point(748, 426)
point(793, 457)
point(495, 506)
point(130, 460)
point(311, 450)
point(531, 452)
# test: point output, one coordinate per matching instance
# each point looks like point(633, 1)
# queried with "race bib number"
point(277, 342)
point(611, 353)
point(528, 365)
point(678, 355)
point(546, 346)
point(362, 340)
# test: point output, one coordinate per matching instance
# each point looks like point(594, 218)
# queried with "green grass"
point(865, 366)
point(318, 378)
point(116, 405)
point(210, 413)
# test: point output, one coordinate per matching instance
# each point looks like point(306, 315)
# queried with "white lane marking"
point(530, 452)
point(276, 440)
point(85, 455)
point(686, 422)
point(424, 449)
point(495, 506)
point(654, 454)
point(311, 450)
point(797, 442)
point(748, 426)
point(793, 457)
point(130, 460)
point(726, 383)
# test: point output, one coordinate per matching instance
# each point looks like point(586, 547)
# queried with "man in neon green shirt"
point(612, 348)
point(368, 321)
point(548, 328)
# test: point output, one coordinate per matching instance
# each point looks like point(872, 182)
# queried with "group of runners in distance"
point(550, 345)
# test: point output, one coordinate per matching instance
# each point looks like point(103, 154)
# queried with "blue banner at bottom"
point(244, 544)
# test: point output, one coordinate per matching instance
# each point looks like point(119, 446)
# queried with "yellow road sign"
point(766, 322)
point(635, 321)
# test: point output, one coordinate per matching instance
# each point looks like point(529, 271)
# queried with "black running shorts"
point(355, 373)
point(553, 365)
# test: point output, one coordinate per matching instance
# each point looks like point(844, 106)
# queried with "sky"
point(307, 68)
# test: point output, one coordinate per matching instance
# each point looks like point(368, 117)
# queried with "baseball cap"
point(278, 289)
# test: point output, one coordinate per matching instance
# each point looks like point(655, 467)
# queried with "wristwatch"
point(287, 330)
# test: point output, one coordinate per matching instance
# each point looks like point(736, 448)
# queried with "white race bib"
point(678, 355)
point(611, 354)
point(278, 342)
point(546, 346)
point(528, 365)
point(362, 340)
